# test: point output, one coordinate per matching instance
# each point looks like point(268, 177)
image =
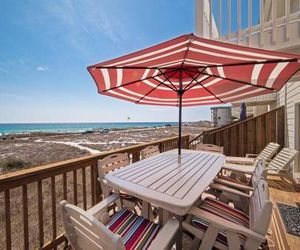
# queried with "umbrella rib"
point(165, 85)
point(129, 83)
point(197, 67)
point(169, 78)
point(186, 52)
point(149, 92)
point(192, 86)
point(130, 67)
point(199, 83)
point(238, 81)
point(187, 87)
point(253, 63)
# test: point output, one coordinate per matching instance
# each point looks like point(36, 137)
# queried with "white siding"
point(289, 96)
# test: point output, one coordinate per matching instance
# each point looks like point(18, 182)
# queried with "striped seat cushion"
point(224, 211)
point(239, 179)
point(136, 231)
point(127, 196)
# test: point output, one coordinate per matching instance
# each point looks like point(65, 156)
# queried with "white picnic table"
point(167, 181)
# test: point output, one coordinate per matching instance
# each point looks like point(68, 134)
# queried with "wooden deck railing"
point(249, 136)
point(29, 213)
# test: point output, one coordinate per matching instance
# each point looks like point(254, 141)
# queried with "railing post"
point(95, 185)
point(135, 156)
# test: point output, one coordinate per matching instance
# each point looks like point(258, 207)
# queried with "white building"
point(268, 24)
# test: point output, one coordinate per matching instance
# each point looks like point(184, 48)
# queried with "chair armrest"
point(101, 207)
point(102, 180)
point(224, 224)
point(251, 155)
point(238, 168)
point(224, 188)
point(166, 236)
point(233, 184)
point(240, 160)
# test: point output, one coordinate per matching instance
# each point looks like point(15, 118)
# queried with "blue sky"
point(45, 47)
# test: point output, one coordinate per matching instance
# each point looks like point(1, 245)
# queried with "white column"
point(210, 19)
point(220, 18)
point(287, 19)
point(199, 9)
point(249, 22)
point(229, 19)
point(274, 16)
point(261, 38)
point(239, 21)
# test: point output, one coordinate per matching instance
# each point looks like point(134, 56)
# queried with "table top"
point(166, 181)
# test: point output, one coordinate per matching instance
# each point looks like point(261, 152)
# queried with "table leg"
point(180, 234)
point(146, 208)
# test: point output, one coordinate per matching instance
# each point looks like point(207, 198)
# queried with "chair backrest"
point(283, 159)
point(84, 231)
point(210, 148)
point(260, 210)
point(269, 151)
point(112, 162)
point(258, 172)
point(149, 151)
point(107, 164)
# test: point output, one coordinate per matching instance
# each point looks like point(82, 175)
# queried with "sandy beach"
point(28, 150)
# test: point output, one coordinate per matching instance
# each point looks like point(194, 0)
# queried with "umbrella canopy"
point(190, 71)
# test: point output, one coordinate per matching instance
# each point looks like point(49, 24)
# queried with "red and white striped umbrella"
point(190, 71)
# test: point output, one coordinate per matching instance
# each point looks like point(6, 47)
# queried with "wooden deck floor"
point(282, 191)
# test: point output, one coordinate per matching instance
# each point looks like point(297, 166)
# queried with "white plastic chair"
point(149, 151)
point(94, 229)
point(219, 225)
point(266, 155)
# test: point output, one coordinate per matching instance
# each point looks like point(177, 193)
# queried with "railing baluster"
point(97, 187)
point(83, 187)
point(75, 187)
point(40, 212)
point(25, 217)
point(93, 186)
point(65, 190)
point(7, 219)
point(53, 200)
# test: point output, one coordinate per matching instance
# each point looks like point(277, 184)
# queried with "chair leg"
point(196, 243)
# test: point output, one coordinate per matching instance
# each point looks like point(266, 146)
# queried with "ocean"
point(22, 128)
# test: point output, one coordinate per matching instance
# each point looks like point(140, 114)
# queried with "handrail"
point(241, 122)
point(251, 135)
point(60, 167)
point(196, 138)
point(38, 191)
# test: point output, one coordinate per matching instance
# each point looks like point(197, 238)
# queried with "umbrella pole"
point(180, 121)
